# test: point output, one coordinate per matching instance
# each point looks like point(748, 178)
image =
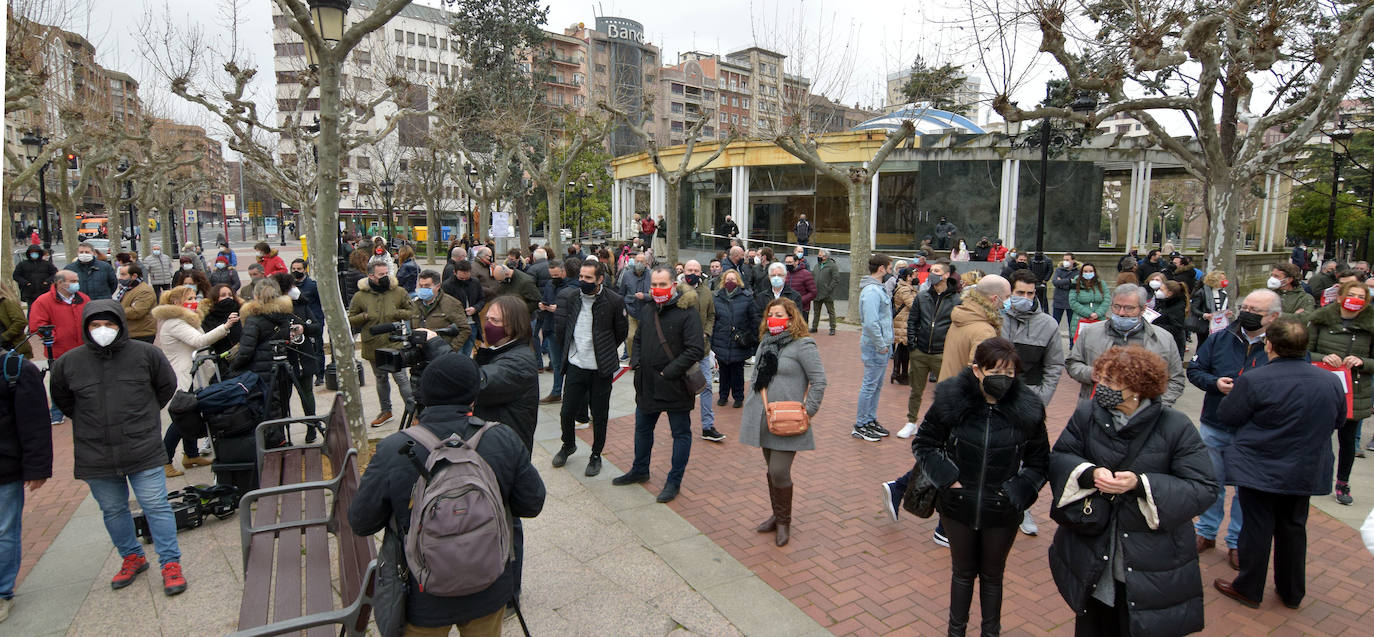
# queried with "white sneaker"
point(1028, 525)
point(5, 605)
point(582, 424)
point(908, 430)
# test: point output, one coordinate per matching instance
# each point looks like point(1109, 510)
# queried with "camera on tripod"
point(46, 333)
point(410, 354)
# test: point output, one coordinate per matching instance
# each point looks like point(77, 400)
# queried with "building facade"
point(623, 72)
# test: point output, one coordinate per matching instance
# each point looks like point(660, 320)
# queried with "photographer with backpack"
point(467, 579)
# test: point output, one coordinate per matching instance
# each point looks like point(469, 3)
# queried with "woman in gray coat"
point(789, 367)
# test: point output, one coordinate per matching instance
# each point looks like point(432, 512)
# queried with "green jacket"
point(370, 308)
point(13, 324)
point(827, 280)
point(1326, 335)
point(445, 311)
point(1085, 303)
point(522, 285)
point(1296, 299)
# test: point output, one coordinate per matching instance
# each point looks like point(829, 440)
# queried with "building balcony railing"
point(564, 59)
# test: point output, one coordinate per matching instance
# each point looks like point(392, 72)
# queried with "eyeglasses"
point(1253, 310)
point(1121, 309)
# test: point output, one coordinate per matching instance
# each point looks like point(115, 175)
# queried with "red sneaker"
point(133, 565)
point(173, 583)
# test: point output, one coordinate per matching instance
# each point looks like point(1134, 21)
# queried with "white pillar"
point(617, 223)
point(873, 214)
point(1138, 218)
point(739, 201)
point(658, 191)
point(1149, 170)
point(1010, 201)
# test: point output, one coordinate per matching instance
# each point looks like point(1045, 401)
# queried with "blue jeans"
point(11, 532)
point(708, 410)
point(680, 423)
point(875, 364)
point(54, 414)
point(557, 363)
point(1218, 441)
point(540, 343)
point(150, 488)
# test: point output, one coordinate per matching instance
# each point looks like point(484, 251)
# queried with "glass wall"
point(1073, 206)
point(705, 200)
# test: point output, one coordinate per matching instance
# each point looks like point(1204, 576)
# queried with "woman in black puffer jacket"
point(983, 444)
point(1140, 576)
point(266, 318)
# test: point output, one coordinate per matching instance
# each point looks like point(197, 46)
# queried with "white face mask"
point(1154, 284)
point(85, 257)
point(758, 260)
point(186, 266)
point(1066, 264)
point(295, 293)
point(1273, 283)
point(104, 335)
point(1159, 294)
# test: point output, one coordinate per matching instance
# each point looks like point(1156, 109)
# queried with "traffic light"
point(72, 163)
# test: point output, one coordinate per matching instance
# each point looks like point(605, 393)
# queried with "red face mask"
point(1225, 283)
point(1353, 304)
point(661, 295)
point(192, 305)
point(776, 325)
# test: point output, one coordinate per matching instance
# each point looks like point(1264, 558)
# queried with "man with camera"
point(448, 387)
point(435, 309)
point(381, 300)
point(589, 328)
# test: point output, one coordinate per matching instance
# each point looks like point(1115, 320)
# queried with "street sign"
point(230, 206)
point(190, 216)
point(269, 225)
point(500, 225)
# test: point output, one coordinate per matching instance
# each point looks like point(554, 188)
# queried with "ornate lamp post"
point(132, 227)
point(328, 16)
point(388, 188)
point(1341, 136)
point(33, 142)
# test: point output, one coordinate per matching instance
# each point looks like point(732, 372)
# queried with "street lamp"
point(33, 142)
point(328, 17)
point(472, 210)
point(1340, 136)
point(1163, 222)
point(129, 194)
point(388, 187)
point(172, 220)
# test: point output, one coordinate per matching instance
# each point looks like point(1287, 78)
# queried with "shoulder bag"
point(785, 417)
point(1091, 515)
point(919, 497)
point(693, 378)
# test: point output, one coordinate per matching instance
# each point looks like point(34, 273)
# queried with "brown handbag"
point(785, 417)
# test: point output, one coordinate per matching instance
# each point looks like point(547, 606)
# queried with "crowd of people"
point(1131, 478)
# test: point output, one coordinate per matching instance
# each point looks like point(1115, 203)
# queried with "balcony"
point(566, 60)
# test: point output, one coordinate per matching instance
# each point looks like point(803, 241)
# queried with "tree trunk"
point(671, 202)
point(164, 221)
point(145, 235)
point(326, 253)
point(7, 239)
point(524, 218)
point(861, 243)
point(1220, 250)
point(114, 226)
point(433, 230)
point(555, 238)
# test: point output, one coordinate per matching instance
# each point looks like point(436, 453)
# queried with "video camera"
point(411, 354)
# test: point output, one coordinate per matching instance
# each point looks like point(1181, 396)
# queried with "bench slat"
point(319, 589)
point(257, 580)
point(287, 603)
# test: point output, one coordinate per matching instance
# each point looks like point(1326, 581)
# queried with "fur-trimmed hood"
point(976, 308)
point(960, 399)
point(278, 305)
point(169, 312)
point(364, 285)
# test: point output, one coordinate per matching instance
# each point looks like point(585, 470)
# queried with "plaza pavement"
point(605, 560)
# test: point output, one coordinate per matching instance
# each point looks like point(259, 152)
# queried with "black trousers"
point(585, 390)
point(1279, 520)
point(1101, 620)
point(1347, 443)
point(978, 553)
point(732, 380)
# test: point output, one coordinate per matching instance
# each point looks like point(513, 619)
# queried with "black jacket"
point(735, 335)
point(609, 326)
point(469, 291)
point(302, 355)
point(1163, 581)
point(1173, 313)
point(25, 435)
point(998, 453)
point(1042, 268)
point(765, 296)
point(350, 280)
point(262, 322)
point(113, 395)
point(928, 321)
point(658, 379)
point(34, 277)
point(219, 315)
point(1283, 415)
point(310, 297)
point(510, 388)
point(384, 500)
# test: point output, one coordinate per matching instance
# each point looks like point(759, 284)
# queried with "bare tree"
point(556, 147)
point(1203, 59)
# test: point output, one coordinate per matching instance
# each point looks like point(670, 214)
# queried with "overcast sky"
point(878, 36)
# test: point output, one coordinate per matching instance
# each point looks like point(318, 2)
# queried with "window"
point(405, 165)
point(724, 118)
point(343, 161)
point(443, 70)
point(400, 61)
point(734, 119)
point(601, 68)
point(288, 49)
point(744, 103)
point(362, 57)
point(734, 102)
point(410, 64)
point(676, 127)
point(364, 162)
point(443, 44)
point(600, 46)
point(287, 77)
point(708, 131)
point(676, 107)
point(710, 95)
point(410, 38)
point(677, 89)
point(649, 79)
point(400, 35)
point(362, 83)
point(433, 66)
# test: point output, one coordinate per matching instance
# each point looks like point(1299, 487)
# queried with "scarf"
point(124, 286)
point(767, 365)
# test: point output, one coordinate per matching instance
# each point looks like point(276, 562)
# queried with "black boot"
point(960, 598)
point(990, 603)
point(782, 512)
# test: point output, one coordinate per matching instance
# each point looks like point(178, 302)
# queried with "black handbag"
point(693, 377)
point(1090, 516)
point(185, 414)
point(919, 497)
point(393, 585)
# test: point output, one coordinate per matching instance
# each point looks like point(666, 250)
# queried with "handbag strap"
point(661, 339)
point(763, 393)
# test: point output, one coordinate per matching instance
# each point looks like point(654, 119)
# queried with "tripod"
point(411, 411)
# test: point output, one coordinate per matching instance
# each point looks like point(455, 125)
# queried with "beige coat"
point(974, 321)
point(179, 336)
point(138, 304)
point(902, 298)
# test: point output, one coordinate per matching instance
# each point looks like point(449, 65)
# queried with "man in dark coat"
point(944, 234)
point(33, 274)
point(465, 287)
point(803, 231)
point(662, 364)
point(589, 326)
point(113, 388)
point(310, 299)
point(827, 278)
point(1283, 415)
point(729, 228)
point(775, 286)
point(448, 388)
point(516, 283)
point(25, 460)
point(97, 278)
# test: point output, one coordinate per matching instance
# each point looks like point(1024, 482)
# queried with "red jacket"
point(272, 264)
point(48, 309)
point(646, 225)
point(997, 254)
point(804, 283)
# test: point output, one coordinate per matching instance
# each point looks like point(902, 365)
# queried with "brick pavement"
point(857, 573)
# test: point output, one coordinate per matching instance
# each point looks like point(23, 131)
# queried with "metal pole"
point(172, 218)
point(1044, 177)
point(243, 236)
point(1331, 215)
point(281, 225)
point(133, 228)
point(43, 209)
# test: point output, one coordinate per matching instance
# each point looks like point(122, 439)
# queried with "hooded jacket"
point(875, 310)
point(272, 264)
point(1326, 334)
point(65, 318)
point(999, 453)
point(179, 336)
point(226, 276)
point(699, 297)
point(1283, 415)
point(138, 302)
point(263, 321)
point(34, 277)
point(25, 435)
point(658, 380)
point(371, 308)
point(974, 321)
point(114, 395)
point(1035, 335)
point(903, 300)
point(1099, 337)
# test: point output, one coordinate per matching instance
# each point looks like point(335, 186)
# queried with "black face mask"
point(997, 385)
point(299, 276)
point(1249, 321)
point(383, 284)
point(692, 279)
point(557, 281)
point(588, 287)
point(886, 277)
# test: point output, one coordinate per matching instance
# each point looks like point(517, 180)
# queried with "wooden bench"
point(284, 530)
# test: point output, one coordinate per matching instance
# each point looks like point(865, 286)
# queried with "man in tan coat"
point(137, 298)
point(977, 319)
point(696, 292)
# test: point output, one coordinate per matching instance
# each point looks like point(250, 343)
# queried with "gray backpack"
point(459, 540)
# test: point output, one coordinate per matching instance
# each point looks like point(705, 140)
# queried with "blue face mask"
point(424, 294)
point(74, 287)
point(776, 280)
point(1018, 304)
point(1088, 276)
point(1125, 324)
